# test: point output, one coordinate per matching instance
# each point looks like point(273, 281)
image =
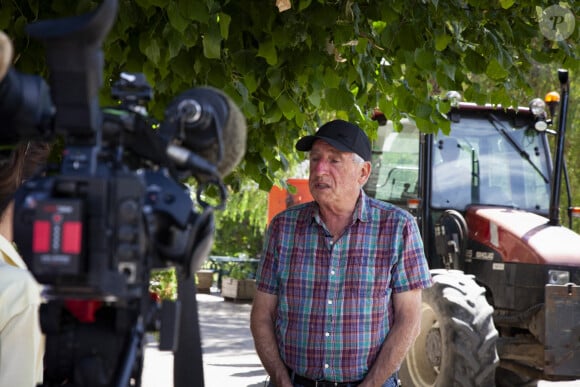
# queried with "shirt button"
point(329, 302)
point(327, 334)
point(332, 272)
point(326, 366)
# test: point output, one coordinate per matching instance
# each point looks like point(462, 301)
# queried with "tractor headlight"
point(558, 277)
point(538, 107)
point(453, 97)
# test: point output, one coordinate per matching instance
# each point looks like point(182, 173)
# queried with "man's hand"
point(405, 329)
point(262, 326)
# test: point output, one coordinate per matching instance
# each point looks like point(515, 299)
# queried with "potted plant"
point(239, 283)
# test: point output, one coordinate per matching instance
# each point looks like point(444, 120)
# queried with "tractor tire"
point(457, 342)
point(508, 378)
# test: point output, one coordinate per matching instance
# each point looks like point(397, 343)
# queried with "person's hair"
point(23, 162)
point(357, 158)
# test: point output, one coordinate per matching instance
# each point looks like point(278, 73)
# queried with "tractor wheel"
point(457, 342)
point(508, 378)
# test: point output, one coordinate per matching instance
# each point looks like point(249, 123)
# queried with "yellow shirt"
point(21, 339)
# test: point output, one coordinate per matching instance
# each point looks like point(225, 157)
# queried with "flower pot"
point(238, 289)
point(204, 280)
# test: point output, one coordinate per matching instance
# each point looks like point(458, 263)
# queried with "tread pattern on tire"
point(468, 334)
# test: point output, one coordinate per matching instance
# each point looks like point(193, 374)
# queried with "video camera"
point(117, 207)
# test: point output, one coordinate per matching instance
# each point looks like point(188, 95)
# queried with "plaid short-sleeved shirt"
point(334, 300)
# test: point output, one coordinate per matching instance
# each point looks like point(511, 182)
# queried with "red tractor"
point(505, 306)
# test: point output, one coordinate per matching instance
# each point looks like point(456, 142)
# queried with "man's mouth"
point(321, 185)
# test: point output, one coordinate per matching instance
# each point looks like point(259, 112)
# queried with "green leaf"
point(386, 107)
point(449, 70)
point(300, 118)
point(423, 125)
point(273, 115)
point(150, 48)
point(331, 79)
point(181, 65)
point(250, 82)
point(192, 36)
point(212, 42)
point(315, 97)
point(287, 105)
point(442, 41)
point(495, 70)
point(149, 70)
point(194, 10)
point(474, 62)
point(425, 59)
point(361, 45)
point(403, 101)
point(34, 7)
point(267, 51)
point(505, 4)
point(116, 51)
point(275, 79)
point(339, 99)
point(423, 110)
point(379, 26)
point(158, 3)
point(304, 4)
point(176, 20)
point(173, 42)
point(224, 21)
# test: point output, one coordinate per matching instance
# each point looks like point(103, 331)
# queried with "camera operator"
point(21, 340)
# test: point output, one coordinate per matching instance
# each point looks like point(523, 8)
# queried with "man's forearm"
point(267, 350)
point(402, 335)
point(391, 355)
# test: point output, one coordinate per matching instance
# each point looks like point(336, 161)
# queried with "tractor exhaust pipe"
point(559, 159)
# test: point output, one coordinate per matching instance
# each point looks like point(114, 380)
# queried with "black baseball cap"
point(342, 135)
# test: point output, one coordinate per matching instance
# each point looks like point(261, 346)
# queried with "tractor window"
point(395, 172)
point(495, 163)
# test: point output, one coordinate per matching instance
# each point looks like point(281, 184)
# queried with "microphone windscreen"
point(5, 54)
point(234, 137)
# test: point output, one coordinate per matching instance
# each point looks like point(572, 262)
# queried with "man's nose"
point(320, 166)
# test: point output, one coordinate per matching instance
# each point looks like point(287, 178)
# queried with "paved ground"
point(228, 350)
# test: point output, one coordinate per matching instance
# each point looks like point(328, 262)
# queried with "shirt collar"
point(361, 209)
point(10, 254)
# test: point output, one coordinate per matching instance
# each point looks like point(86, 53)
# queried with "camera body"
point(88, 233)
point(117, 208)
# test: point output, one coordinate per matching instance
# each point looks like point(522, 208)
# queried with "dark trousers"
point(393, 381)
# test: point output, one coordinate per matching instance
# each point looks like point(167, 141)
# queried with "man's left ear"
point(365, 172)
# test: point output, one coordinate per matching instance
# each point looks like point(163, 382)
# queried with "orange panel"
point(279, 199)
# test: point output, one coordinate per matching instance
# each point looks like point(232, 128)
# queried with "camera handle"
point(187, 360)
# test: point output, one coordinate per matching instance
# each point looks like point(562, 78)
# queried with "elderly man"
point(338, 299)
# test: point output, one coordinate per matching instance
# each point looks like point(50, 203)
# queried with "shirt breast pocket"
point(366, 278)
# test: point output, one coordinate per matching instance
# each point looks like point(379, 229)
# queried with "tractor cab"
point(491, 157)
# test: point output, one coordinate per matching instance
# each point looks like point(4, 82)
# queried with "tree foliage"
point(291, 70)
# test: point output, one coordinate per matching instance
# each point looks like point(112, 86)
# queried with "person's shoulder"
point(16, 282)
point(19, 292)
point(383, 206)
point(294, 212)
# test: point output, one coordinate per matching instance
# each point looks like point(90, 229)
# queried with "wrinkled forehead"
point(322, 147)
